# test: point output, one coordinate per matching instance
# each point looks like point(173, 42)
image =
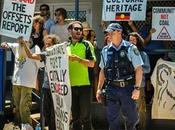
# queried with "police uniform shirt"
point(133, 54)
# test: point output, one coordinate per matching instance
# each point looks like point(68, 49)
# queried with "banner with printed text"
point(17, 19)
point(163, 21)
point(58, 73)
point(163, 80)
point(124, 10)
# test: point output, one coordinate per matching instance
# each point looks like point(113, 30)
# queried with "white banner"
point(163, 21)
point(17, 19)
point(124, 10)
point(163, 80)
point(58, 73)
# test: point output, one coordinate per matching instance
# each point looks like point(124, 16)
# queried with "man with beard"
point(81, 56)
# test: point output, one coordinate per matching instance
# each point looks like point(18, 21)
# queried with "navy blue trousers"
point(120, 99)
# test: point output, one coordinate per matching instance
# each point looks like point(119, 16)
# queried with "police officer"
point(121, 69)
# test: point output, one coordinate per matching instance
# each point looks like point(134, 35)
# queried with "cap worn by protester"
point(70, 25)
point(113, 27)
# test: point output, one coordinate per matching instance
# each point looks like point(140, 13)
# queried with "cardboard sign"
point(163, 80)
point(17, 18)
point(163, 21)
point(58, 73)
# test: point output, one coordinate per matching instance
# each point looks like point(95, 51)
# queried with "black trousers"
point(48, 109)
point(81, 107)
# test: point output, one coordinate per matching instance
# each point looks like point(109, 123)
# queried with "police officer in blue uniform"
point(121, 69)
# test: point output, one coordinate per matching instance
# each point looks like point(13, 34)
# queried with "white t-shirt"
point(25, 69)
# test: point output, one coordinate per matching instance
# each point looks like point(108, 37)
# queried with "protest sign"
point(17, 18)
point(124, 10)
point(58, 73)
point(163, 21)
point(163, 80)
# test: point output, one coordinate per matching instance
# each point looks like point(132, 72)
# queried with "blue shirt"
point(47, 25)
point(134, 57)
point(146, 66)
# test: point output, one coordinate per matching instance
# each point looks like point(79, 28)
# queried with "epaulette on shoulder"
point(106, 47)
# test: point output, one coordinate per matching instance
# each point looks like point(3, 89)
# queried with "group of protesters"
point(123, 68)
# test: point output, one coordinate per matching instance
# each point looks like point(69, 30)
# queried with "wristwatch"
point(136, 87)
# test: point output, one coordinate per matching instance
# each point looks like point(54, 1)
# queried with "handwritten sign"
point(17, 18)
point(163, 21)
point(58, 73)
point(163, 80)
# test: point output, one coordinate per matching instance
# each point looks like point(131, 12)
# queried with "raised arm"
point(132, 25)
point(28, 52)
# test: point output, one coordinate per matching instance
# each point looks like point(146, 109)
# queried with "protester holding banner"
point(137, 40)
point(121, 70)
point(24, 80)
point(47, 102)
point(60, 28)
point(48, 22)
point(81, 56)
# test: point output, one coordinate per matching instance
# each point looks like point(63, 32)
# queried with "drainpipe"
point(76, 9)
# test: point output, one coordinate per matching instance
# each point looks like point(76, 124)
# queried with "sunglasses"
point(77, 28)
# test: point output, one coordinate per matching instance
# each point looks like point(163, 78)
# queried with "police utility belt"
point(122, 83)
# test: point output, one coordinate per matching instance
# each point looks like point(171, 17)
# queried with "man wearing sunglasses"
point(81, 56)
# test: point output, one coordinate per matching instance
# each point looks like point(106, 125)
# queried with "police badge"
point(122, 54)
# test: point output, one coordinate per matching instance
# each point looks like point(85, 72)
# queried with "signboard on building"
point(58, 74)
point(124, 10)
point(16, 18)
point(163, 21)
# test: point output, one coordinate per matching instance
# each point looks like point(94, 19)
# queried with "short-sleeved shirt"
point(146, 67)
point(25, 69)
point(48, 24)
point(133, 54)
point(78, 72)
